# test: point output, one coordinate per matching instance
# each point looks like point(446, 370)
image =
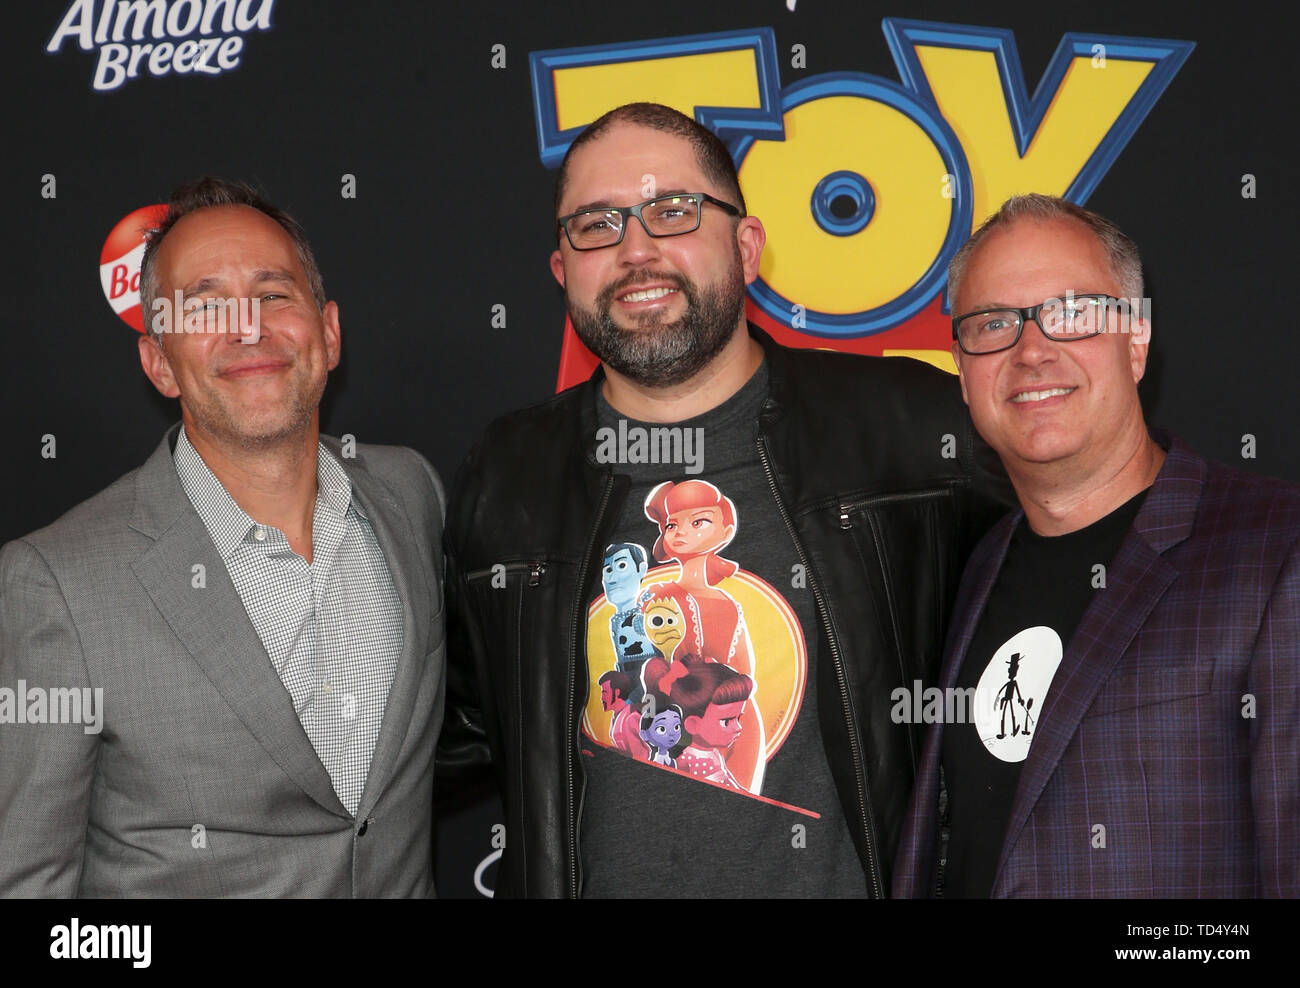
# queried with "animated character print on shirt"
point(695, 664)
point(1011, 691)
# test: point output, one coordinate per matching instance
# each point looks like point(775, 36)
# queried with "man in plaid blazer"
point(1129, 638)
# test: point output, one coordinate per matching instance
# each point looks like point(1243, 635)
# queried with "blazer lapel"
point(399, 541)
point(970, 613)
point(214, 627)
point(1135, 581)
point(916, 872)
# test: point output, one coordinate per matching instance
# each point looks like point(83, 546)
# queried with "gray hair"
point(1121, 251)
point(205, 193)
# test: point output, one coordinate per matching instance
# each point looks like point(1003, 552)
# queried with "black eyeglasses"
point(667, 216)
point(1065, 320)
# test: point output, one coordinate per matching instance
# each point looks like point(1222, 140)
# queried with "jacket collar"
point(777, 379)
point(416, 586)
point(184, 575)
point(210, 620)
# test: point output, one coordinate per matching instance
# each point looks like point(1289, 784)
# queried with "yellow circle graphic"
point(780, 656)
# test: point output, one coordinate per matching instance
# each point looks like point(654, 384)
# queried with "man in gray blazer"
point(223, 675)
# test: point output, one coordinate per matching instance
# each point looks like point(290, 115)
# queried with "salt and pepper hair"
point(1121, 251)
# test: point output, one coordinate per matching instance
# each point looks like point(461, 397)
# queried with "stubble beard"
point(263, 431)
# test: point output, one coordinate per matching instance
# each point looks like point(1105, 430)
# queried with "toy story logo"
point(866, 185)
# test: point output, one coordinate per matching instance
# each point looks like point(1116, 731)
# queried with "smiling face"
point(1046, 402)
point(695, 531)
point(243, 395)
point(718, 727)
point(655, 309)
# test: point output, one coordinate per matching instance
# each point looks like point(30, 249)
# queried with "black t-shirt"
point(1041, 593)
point(706, 774)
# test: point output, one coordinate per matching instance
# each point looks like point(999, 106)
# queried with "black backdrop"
point(451, 218)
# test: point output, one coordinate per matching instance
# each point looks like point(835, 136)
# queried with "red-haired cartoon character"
point(711, 697)
point(696, 522)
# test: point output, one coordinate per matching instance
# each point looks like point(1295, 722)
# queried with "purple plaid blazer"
point(1173, 720)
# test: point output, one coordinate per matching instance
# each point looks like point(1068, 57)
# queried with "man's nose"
point(1034, 345)
point(246, 321)
point(637, 243)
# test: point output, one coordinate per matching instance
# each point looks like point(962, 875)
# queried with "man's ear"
point(1139, 345)
point(333, 333)
point(957, 356)
point(156, 366)
point(750, 238)
point(557, 266)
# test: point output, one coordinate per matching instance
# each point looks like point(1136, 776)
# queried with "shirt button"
point(260, 534)
point(329, 686)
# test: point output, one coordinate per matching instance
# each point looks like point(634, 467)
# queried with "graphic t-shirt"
point(706, 774)
point(1041, 593)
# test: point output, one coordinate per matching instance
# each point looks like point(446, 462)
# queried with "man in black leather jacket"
point(870, 480)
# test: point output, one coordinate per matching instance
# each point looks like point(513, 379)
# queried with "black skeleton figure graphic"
point(1008, 696)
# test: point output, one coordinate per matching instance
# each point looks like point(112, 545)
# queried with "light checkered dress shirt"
point(332, 628)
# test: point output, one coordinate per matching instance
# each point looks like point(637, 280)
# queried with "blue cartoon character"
point(662, 732)
point(625, 565)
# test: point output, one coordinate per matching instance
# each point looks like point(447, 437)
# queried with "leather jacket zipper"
point(578, 634)
point(850, 506)
point(944, 832)
point(534, 567)
point(856, 751)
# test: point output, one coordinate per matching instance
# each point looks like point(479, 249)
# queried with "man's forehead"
point(628, 159)
point(1058, 250)
point(1019, 241)
point(217, 228)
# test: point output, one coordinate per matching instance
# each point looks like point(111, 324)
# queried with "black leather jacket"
point(873, 463)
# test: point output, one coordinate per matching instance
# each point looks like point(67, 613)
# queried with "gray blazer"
point(201, 780)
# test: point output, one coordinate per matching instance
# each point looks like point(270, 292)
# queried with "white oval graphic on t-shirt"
point(1011, 691)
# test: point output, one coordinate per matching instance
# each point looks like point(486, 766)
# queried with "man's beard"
point(658, 354)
